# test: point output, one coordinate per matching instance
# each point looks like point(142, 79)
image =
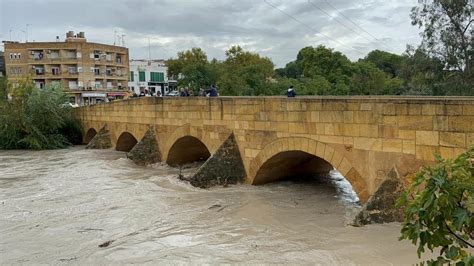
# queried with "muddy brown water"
point(57, 207)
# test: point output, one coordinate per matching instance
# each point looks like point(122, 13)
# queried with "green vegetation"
point(439, 210)
point(36, 119)
point(441, 65)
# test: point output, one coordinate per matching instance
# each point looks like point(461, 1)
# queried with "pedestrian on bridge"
point(213, 91)
point(291, 92)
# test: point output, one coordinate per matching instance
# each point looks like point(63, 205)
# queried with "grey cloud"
point(214, 25)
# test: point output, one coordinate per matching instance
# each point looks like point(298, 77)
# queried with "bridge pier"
point(146, 151)
point(224, 167)
point(101, 140)
point(380, 208)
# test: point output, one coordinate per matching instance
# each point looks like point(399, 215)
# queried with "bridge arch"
point(187, 149)
point(125, 142)
point(299, 155)
point(90, 134)
point(185, 145)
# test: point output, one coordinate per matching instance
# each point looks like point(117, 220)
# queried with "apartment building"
point(148, 76)
point(89, 72)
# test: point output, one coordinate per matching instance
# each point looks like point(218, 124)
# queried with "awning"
point(113, 94)
point(94, 94)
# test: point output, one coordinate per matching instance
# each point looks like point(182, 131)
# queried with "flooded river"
point(57, 207)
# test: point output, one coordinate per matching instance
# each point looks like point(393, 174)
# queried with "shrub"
point(439, 210)
point(36, 119)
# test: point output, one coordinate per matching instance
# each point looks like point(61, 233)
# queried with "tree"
point(245, 73)
point(36, 119)
point(385, 61)
point(291, 70)
point(187, 61)
point(439, 210)
point(325, 62)
point(448, 32)
point(367, 79)
point(3, 88)
point(423, 74)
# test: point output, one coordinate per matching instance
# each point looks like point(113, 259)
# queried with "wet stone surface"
point(101, 140)
point(224, 167)
point(380, 208)
point(146, 151)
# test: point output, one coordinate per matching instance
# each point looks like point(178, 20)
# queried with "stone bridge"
point(364, 138)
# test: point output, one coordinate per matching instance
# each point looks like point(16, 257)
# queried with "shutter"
point(141, 76)
point(92, 55)
point(79, 69)
point(78, 54)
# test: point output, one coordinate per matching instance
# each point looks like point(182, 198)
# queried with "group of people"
point(147, 93)
point(210, 92)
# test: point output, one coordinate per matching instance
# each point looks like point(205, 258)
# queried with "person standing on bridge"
point(213, 91)
point(291, 92)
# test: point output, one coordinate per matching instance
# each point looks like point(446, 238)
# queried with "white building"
point(148, 75)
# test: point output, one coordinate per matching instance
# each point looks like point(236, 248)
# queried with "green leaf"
point(460, 217)
point(452, 252)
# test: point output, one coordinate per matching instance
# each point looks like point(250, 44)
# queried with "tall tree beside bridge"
point(448, 28)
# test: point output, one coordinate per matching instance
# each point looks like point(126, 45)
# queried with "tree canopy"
point(37, 119)
point(440, 65)
point(448, 39)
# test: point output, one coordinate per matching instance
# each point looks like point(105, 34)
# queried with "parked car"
point(172, 94)
point(70, 105)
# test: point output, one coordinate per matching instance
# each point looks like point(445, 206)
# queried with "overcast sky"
point(215, 25)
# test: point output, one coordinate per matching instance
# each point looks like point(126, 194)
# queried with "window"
point(71, 54)
point(141, 75)
point(54, 54)
point(38, 55)
point(72, 70)
point(39, 70)
point(39, 84)
point(132, 77)
point(15, 70)
point(108, 72)
point(109, 85)
point(73, 84)
point(55, 70)
point(95, 70)
point(157, 76)
point(11, 56)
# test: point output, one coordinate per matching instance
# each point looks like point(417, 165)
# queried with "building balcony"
point(38, 72)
